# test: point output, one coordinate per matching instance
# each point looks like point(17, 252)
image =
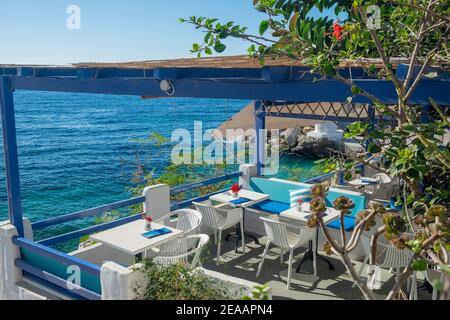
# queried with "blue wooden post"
point(10, 153)
point(425, 117)
point(372, 118)
point(260, 126)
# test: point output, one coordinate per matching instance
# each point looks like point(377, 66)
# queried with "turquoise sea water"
point(70, 145)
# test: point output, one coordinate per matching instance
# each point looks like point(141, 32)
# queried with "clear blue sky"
point(111, 30)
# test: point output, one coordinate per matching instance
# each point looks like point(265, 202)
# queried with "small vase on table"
point(147, 223)
point(300, 205)
point(235, 188)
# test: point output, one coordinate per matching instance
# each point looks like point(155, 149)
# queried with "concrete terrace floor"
point(328, 285)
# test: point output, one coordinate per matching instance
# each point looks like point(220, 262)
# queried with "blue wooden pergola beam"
point(298, 90)
point(257, 84)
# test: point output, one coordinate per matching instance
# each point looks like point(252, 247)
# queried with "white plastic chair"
point(432, 275)
point(186, 220)
point(279, 235)
point(382, 178)
point(212, 218)
point(186, 250)
point(389, 257)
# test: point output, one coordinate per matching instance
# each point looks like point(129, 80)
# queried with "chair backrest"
point(390, 257)
point(187, 220)
point(208, 212)
point(276, 232)
point(382, 177)
point(185, 250)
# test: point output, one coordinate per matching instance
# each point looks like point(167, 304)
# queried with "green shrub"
point(177, 282)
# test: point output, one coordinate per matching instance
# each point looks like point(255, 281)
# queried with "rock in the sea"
point(291, 136)
point(313, 147)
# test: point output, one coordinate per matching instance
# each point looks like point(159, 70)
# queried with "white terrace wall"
point(10, 275)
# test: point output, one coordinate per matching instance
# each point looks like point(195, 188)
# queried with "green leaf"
point(305, 33)
point(356, 90)
point(219, 47)
point(264, 25)
point(208, 51)
point(293, 22)
point(207, 37)
point(419, 265)
point(328, 69)
point(374, 148)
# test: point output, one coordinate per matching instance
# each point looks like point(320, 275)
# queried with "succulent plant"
point(343, 204)
point(369, 224)
point(320, 189)
point(436, 211)
point(394, 223)
point(400, 242)
point(419, 220)
point(318, 205)
point(327, 248)
point(312, 221)
point(377, 207)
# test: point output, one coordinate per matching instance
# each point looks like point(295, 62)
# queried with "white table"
point(227, 198)
point(295, 215)
point(128, 238)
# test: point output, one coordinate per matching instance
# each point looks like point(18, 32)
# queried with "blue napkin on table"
point(323, 215)
point(156, 233)
point(240, 201)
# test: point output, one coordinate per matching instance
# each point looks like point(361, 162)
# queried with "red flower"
point(235, 188)
point(147, 218)
point(337, 31)
point(300, 201)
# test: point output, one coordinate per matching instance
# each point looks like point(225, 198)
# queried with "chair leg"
point(413, 293)
point(243, 236)
point(435, 293)
point(281, 255)
point(291, 257)
point(215, 237)
point(262, 259)
point(219, 243)
point(361, 269)
point(315, 257)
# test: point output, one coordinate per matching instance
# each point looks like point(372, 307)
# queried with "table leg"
point(238, 236)
point(309, 255)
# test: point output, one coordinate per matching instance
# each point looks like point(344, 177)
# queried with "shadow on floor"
point(328, 284)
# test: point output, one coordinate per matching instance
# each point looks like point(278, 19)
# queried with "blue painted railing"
point(187, 203)
point(51, 280)
point(87, 231)
point(56, 255)
point(59, 257)
point(86, 213)
point(204, 183)
point(41, 247)
point(329, 175)
point(117, 205)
